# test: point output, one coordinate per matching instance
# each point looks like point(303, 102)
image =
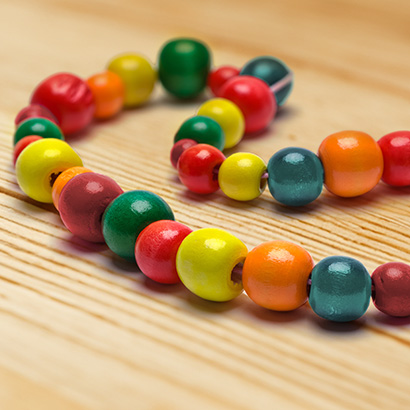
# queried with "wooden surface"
point(81, 329)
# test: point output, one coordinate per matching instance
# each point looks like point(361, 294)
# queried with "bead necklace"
point(212, 263)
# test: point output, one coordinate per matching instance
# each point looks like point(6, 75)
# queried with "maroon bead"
point(391, 294)
point(34, 111)
point(178, 148)
point(83, 201)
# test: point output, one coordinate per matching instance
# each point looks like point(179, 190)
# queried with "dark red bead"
point(198, 166)
point(83, 201)
point(34, 111)
point(178, 148)
point(69, 98)
point(391, 293)
point(156, 250)
point(23, 143)
point(219, 76)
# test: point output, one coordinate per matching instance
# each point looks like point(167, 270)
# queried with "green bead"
point(295, 176)
point(127, 216)
point(203, 130)
point(183, 67)
point(340, 289)
point(38, 126)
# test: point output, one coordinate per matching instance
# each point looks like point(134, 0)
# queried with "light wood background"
point(81, 329)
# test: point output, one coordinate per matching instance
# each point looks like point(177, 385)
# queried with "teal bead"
point(183, 67)
point(295, 176)
point(340, 289)
point(38, 126)
point(203, 130)
point(127, 216)
point(271, 70)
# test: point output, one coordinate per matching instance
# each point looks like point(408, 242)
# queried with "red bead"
point(23, 143)
point(178, 148)
point(83, 201)
point(34, 111)
point(197, 168)
point(218, 77)
point(69, 98)
point(156, 249)
point(254, 98)
point(391, 293)
point(396, 155)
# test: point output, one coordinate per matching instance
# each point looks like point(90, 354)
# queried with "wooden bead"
point(23, 143)
point(34, 111)
point(42, 127)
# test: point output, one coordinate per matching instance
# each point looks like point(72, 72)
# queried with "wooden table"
point(81, 329)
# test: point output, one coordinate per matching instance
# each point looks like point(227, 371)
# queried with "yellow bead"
point(205, 261)
point(138, 76)
point(40, 163)
point(240, 176)
point(228, 116)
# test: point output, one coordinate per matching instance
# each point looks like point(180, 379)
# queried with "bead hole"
point(264, 180)
point(236, 274)
point(53, 178)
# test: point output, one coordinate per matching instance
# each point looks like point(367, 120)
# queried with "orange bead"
point(275, 275)
point(108, 91)
point(62, 179)
point(353, 163)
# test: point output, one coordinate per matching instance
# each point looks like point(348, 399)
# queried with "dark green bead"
point(295, 176)
point(183, 67)
point(203, 130)
point(37, 126)
point(127, 216)
point(340, 289)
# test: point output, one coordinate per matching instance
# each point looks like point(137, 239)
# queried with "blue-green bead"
point(340, 289)
point(295, 176)
point(38, 126)
point(127, 216)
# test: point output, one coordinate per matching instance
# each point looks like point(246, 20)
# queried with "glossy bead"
point(203, 130)
point(137, 75)
point(228, 116)
point(183, 67)
point(62, 180)
point(108, 91)
point(156, 250)
point(391, 293)
point(205, 261)
point(396, 156)
point(23, 143)
point(340, 289)
point(254, 98)
point(178, 148)
point(275, 275)
point(197, 168)
point(127, 216)
point(69, 98)
point(40, 163)
point(240, 176)
point(352, 161)
point(83, 201)
point(271, 70)
point(218, 77)
point(295, 176)
point(37, 126)
point(34, 111)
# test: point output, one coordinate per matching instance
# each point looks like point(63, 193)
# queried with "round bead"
point(183, 67)
point(203, 130)
point(275, 275)
point(295, 176)
point(69, 98)
point(396, 156)
point(156, 250)
point(240, 176)
point(205, 261)
point(83, 201)
point(34, 111)
point(138, 77)
point(39, 165)
point(62, 180)
point(37, 126)
point(271, 70)
point(254, 98)
point(197, 168)
point(228, 116)
point(108, 91)
point(340, 289)
point(23, 143)
point(391, 293)
point(218, 77)
point(353, 163)
point(127, 216)
point(178, 148)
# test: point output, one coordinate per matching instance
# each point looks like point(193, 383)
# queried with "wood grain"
point(81, 329)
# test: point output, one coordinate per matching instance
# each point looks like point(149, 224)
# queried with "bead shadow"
point(206, 306)
point(338, 327)
point(381, 319)
point(177, 288)
point(80, 245)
